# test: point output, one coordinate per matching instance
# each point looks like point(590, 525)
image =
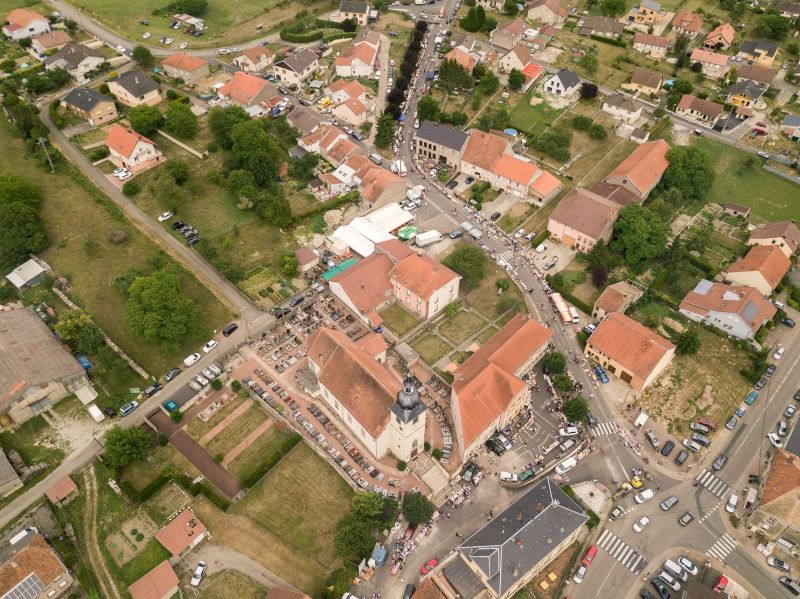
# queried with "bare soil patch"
point(131, 537)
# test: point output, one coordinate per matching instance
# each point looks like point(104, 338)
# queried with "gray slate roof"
point(750, 47)
point(748, 88)
point(7, 472)
point(790, 120)
point(137, 83)
point(622, 102)
point(568, 78)
point(299, 61)
point(442, 135)
point(514, 542)
point(72, 54)
point(357, 7)
point(84, 98)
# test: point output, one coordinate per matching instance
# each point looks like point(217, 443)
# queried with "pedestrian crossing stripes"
point(710, 512)
point(605, 428)
point(507, 255)
point(714, 484)
point(722, 548)
point(622, 552)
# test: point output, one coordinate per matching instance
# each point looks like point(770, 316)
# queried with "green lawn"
point(80, 221)
point(33, 440)
point(230, 583)
point(237, 431)
point(431, 348)
point(398, 320)
point(197, 427)
point(486, 299)
point(532, 119)
point(486, 335)
point(461, 327)
point(153, 554)
point(251, 459)
point(226, 21)
point(769, 196)
point(282, 503)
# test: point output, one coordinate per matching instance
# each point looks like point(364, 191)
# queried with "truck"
point(376, 158)
point(750, 500)
point(402, 171)
point(428, 237)
point(96, 413)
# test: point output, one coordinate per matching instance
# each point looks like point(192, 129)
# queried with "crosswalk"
point(622, 552)
point(722, 548)
point(713, 483)
point(605, 428)
point(507, 255)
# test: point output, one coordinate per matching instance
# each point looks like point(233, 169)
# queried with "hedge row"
point(613, 42)
point(270, 462)
point(301, 38)
point(324, 24)
point(331, 204)
point(536, 241)
point(181, 480)
point(339, 36)
point(580, 304)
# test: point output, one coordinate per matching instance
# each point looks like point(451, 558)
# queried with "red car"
point(432, 563)
point(761, 124)
point(589, 557)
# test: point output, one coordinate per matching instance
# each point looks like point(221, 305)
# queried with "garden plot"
point(166, 502)
point(130, 538)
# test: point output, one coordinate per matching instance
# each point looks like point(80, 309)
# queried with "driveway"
point(219, 558)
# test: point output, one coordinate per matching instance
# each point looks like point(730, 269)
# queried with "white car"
point(568, 431)
point(168, 41)
point(778, 353)
point(165, 216)
point(578, 578)
point(223, 51)
point(641, 524)
point(191, 359)
point(530, 235)
point(687, 565)
point(519, 233)
point(643, 496)
point(775, 440)
point(199, 572)
point(146, 35)
point(670, 580)
point(124, 175)
point(121, 49)
point(209, 346)
point(183, 45)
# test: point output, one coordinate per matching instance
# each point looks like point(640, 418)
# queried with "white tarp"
point(370, 231)
point(354, 240)
point(391, 217)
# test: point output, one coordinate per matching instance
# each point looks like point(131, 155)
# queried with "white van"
point(575, 316)
point(643, 496)
point(733, 500)
point(675, 570)
point(541, 248)
point(567, 445)
point(566, 466)
point(508, 477)
point(96, 413)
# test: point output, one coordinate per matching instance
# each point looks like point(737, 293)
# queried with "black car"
point(172, 374)
point(409, 591)
point(283, 90)
point(797, 395)
point(281, 312)
point(496, 446)
point(681, 457)
point(178, 224)
point(592, 419)
point(456, 234)
point(753, 479)
point(668, 447)
point(296, 302)
point(153, 389)
point(495, 216)
point(469, 180)
point(759, 384)
point(189, 233)
point(110, 411)
point(662, 589)
point(305, 102)
point(788, 322)
point(228, 330)
point(645, 594)
point(192, 239)
point(452, 185)
point(770, 370)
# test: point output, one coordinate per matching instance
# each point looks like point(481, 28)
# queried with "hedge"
point(339, 36)
point(323, 24)
point(58, 121)
point(270, 462)
point(702, 265)
point(536, 241)
point(613, 42)
point(580, 304)
point(331, 204)
point(301, 38)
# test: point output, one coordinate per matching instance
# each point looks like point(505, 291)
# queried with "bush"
point(338, 36)
point(300, 38)
point(436, 453)
point(175, 416)
point(131, 188)
point(235, 385)
point(216, 384)
point(401, 465)
point(582, 123)
point(540, 238)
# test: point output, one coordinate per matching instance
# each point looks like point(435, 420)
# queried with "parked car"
point(687, 565)
point(578, 578)
point(668, 447)
point(178, 224)
point(681, 457)
point(759, 384)
point(453, 184)
point(731, 424)
point(229, 330)
point(788, 322)
point(191, 359)
point(643, 496)
point(199, 572)
point(783, 429)
point(172, 374)
point(720, 462)
point(775, 440)
point(111, 412)
point(641, 524)
point(152, 390)
point(296, 302)
point(164, 216)
point(209, 346)
point(779, 353)
point(590, 555)
point(428, 566)
point(789, 411)
point(691, 444)
point(669, 502)
point(686, 519)
point(128, 408)
point(568, 431)
point(778, 563)
point(662, 589)
point(670, 580)
point(469, 472)
point(770, 370)
point(495, 216)
point(456, 234)
point(616, 513)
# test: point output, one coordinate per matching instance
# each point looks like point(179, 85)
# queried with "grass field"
point(486, 335)
point(141, 473)
point(153, 554)
point(461, 327)
point(532, 119)
point(250, 460)
point(79, 230)
point(230, 583)
point(398, 320)
point(237, 431)
point(197, 427)
point(431, 348)
point(738, 180)
point(226, 21)
point(485, 297)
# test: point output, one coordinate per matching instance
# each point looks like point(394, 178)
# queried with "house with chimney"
point(135, 88)
point(509, 34)
point(617, 297)
point(736, 310)
point(22, 23)
point(760, 52)
point(184, 66)
point(643, 168)
point(607, 27)
point(582, 218)
point(719, 38)
point(76, 59)
point(131, 150)
point(687, 23)
point(254, 60)
point(359, 59)
point(763, 267)
point(563, 84)
point(622, 107)
point(744, 93)
point(90, 105)
point(246, 90)
point(760, 75)
point(439, 143)
point(547, 12)
point(296, 68)
point(648, 14)
point(696, 109)
point(359, 12)
point(784, 235)
point(713, 64)
point(654, 46)
point(644, 81)
point(31, 568)
point(54, 40)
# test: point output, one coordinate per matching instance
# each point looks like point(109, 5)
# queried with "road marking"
point(621, 551)
point(713, 483)
point(722, 547)
point(710, 512)
point(605, 428)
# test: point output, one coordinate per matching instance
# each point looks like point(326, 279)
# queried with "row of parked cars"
point(189, 233)
point(672, 574)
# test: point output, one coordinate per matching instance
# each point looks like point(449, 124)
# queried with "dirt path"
point(99, 566)
point(218, 428)
point(246, 442)
point(220, 557)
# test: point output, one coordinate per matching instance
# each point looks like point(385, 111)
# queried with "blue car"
point(170, 405)
point(751, 397)
point(601, 374)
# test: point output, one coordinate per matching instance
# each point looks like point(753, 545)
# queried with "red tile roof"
point(52, 39)
point(123, 141)
point(704, 107)
point(181, 532)
point(644, 166)
point(61, 490)
point(484, 149)
point(706, 56)
point(376, 181)
point(156, 584)
point(184, 62)
point(255, 53)
point(372, 343)
point(366, 283)
point(647, 39)
point(731, 299)
point(785, 230)
point(36, 558)
point(465, 59)
point(305, 255)
point(486, 382)
point(783, 476)
point(724, 31)
point(421, 274)
point(395, 248)
point(20, 18)
point(514, 169)
point(362, 385)
point(614, 297)
point(635, 347)
point(587, 212)
point(768, 260)
point(688, 21)
point(243, 88)
point(545, 184)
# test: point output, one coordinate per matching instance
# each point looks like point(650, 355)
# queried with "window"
point(416, 418)
point(397, 419)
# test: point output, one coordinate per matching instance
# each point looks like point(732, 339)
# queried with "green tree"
point(792, 49)
point(278, 211)
point(581, 122)
point(613, 8)
point(352, 539)
point(384, 133)
point(158, 311)
point(417, 509)
point(772, 26)
point(688, 342)
point(257, 151)
point(563, 383)
point(178, 170)
point(221, 122)
point(143, 57)
point(510, 7)
point(14, 188)
point(145, 119)
point(22, 232)
point(474, 20)
point(555, 143)
point(453, 76)
point(597, 131)
point(589, 61)
point(80, 332)
point(676, 92)
point(368, 508)
point(639, 235)
point(180, 120)
point(196, 8)
point(575, 409)
point(125, 445)
point(428, 109)
point(555, 362)
point(288, 264)
point(690, 171)
point(349, 25)
point(516, 79)
point(469, 262)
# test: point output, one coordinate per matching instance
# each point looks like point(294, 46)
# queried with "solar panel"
point(703, 287)
point(28, 588)
point(750, 311)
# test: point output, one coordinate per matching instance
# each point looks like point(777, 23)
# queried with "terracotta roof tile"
point(785, 230)
point(123, 140)
point(184, 62)
point(156, 583)
point(305, 255)
point(256, 53)
point(367, 283)
point(372, 343)
point(725, 31)
point(586, 212)
point(646, 78)
point(362, 385)
point(428, 590)
point(635, 347)
point(708, 57)
point(22, 17)
point(52, 39)
point(396, 249)
point(747, 302)
point(376, 181)
point(783, 477)
point(688, 21)
point(515, 169)
point(421, 274)
point(36, 558)
point(484, 149)
point(769, 260)
point(61, 490)
point(611, 300)
point(545, 184)
point(755, 72)
point(181, 532)
point(657, 41)
point(465, 59)
point(243, 88)
point(644, 166)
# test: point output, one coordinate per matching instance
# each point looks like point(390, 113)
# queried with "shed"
point(64, 491)
point(348, 236)
point(339, 268)
point(27, 274)
point(369, 230)
point(737, 210)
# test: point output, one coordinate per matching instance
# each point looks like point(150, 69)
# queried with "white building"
point(24, 23)
point(563, 84)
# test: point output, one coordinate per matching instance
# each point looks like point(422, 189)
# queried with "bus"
point(561, 307)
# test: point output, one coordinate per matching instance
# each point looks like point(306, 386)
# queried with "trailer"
point(561, 307)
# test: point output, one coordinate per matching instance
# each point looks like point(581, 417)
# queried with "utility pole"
point(42, 141)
